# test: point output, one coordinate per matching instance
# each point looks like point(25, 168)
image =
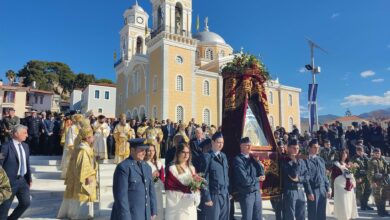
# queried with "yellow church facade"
point(166, 71)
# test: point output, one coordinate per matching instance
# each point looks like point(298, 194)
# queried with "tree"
point(108, 81)
point(83, 80)
point(10, 74)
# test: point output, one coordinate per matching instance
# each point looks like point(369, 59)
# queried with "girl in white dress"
point(181, 203)
point(345, 207)
point(158, 177)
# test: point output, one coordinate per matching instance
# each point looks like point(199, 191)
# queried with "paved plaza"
point(47, 191)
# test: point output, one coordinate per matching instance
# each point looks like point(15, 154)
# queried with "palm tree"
point(10, 74)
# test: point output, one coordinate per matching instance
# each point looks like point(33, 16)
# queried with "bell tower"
point(133, 32)
point(173, 16)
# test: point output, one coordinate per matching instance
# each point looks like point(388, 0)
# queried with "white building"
point(99, 99)
point(75, 100)
point(41, 100)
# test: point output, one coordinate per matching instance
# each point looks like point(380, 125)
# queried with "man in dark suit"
point(248, 172)
point(196, 151)
point(215, 202)
point(134, 193)
point(16, 164)
point(35, 127)
point(168, 133)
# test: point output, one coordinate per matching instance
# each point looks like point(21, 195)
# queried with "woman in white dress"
point(158, 177)
point(181, 203)
point(345, 207)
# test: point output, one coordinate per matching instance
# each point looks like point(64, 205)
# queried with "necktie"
point(140, 167)
point(219, 157)
point(22, 171)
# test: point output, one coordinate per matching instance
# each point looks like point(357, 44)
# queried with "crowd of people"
point(198, 178)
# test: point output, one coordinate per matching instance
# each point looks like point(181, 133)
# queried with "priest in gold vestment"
point(122, 133)
point(81, 184)
point(69, 142)
point(154, 135)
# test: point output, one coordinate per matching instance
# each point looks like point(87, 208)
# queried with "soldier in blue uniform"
point(295, 184)
point(248, 172)
point(215, 199)
point(134, 194)
point(318, 182)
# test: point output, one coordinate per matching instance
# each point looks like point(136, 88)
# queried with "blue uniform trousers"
point(294, 204)
point(251, 206)
point(316, 209)
point(220, 209)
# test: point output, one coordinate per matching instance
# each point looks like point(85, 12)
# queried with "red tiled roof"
point(103, 84)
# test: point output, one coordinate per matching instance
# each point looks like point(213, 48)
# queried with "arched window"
point(206, 116)
point(290, 100)
point(178, 18)
point(142, 112)
point(222, 53)
point(135, 114)
point(154, 112)
point(179, 83)
point(209, 54)
point(179, 114)
point(179, 60)
point(155, 83)
point(271, 121)
point(271, 97)
point(290, 123)
point(206, 88)
point(139, 45)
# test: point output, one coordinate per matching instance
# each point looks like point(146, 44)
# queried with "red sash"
point(172, 183)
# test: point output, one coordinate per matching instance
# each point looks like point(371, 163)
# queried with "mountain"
point(377, 114)
point(321, 118)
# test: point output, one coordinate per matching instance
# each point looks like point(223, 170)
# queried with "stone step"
point(46, 175)
point(45, 162)
point(32, 158)
point(43, 168)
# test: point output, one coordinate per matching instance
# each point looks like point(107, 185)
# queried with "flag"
point(197, 23)
point(312, 104)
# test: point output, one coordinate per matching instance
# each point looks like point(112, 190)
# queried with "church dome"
point(136, 7)
point(210, 37)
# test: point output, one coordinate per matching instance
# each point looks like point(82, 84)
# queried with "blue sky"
point(355, 72)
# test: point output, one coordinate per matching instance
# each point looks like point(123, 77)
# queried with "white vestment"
point(70, 136)
point(100, 143)
point(159, 187)
point(345, 207)
point(179, 205)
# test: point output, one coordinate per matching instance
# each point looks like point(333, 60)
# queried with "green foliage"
point(243, 62)
point(108, 81)
point(10, 74)
point(54, 76)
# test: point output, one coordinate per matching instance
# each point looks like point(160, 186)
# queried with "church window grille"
point(206, 88)
point(209, 54)
point(179, 114)
point(206, 116)
point(179, 83)
point(271, 98)
point(290, 100)
point(179, 60)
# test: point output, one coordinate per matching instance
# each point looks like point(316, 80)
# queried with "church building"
point(167, 71)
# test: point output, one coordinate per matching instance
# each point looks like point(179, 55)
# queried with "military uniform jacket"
point(246, 174)
point(10, 123)
point(329, 156)
point(362, 161)
point(377, 169)
point(317, 173)
point(5, 187)
point(134, 193)
point(217, 175)
point(295, 175)
point(35, 126)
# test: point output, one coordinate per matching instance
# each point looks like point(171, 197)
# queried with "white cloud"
point(335, 15)
point(304, 111)
point(367, 73)
point(302, 70)
point(363, 100)
point(377, 80)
